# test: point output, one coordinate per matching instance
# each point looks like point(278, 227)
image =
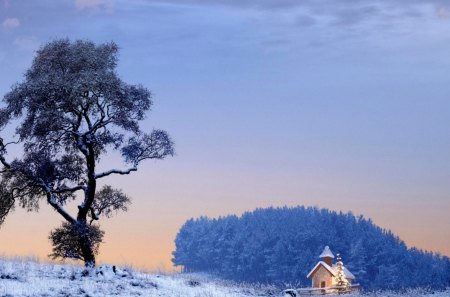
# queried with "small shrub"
point(193, 283)
point(9, 276)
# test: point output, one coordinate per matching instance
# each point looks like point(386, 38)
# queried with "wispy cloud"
point(82, 4)
point(341, 13)
point(27, 43)
point(296, 3)
point(11, 23)
point(443, 13)
point(107, 5)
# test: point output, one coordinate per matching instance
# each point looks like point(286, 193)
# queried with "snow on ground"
point(33, 279)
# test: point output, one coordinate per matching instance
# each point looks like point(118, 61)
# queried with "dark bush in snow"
point(67, 240)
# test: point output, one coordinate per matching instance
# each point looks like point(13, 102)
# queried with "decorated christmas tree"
point(342, 282)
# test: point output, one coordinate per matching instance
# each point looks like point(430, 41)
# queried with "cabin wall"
point(322, 275)
point(334, 281)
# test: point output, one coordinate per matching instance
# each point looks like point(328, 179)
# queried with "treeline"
point(281, 245)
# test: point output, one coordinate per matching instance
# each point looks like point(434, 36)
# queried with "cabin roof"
point(327, 267)
point(347, 272)
point(331, 269)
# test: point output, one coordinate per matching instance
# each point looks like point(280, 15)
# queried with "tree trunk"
point(89, 257)
point(86, 247)
point(85, 242)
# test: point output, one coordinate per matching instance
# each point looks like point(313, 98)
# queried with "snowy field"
point(31, 278)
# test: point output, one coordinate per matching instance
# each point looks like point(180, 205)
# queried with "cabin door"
point(322, 284)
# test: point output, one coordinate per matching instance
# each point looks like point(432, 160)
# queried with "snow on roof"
point(347, 272)
point(332, 270)
point(326, 253)
point(327, 267)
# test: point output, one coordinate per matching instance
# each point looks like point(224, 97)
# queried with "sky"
point(336, 104)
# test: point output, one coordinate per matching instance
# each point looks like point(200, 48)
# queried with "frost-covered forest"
point(281, 245)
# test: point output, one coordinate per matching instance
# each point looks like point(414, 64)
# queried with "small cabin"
point(326, 274)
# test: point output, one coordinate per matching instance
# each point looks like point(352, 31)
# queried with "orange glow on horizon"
point(144, 236)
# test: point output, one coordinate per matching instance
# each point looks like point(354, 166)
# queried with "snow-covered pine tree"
point(283, 244)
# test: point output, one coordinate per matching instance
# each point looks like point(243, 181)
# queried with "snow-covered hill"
point(30, 278)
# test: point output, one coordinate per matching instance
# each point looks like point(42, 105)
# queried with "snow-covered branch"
point(115, 171)
point(2, 153)
point(68, 190)
point(156, 145)
point(51, 199)
point(108, 201)
point(4, 163)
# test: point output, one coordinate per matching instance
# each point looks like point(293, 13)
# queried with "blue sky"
point(339, 104)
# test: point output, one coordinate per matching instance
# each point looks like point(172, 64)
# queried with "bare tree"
point(71, 109)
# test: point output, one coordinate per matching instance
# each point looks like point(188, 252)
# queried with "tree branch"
point(2, 152)
point(115, 171)
point(3, 161)
point(65, 190)
point(93, 215)
point(52, 201)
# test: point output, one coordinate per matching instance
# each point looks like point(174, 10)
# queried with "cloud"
point(443, 13)
point(256, 4)
point(271, 4)
point(342, 13)
point(107, 5)
point(27, 43)
point(11, 23)
point(82, 4)
point(306, 21)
